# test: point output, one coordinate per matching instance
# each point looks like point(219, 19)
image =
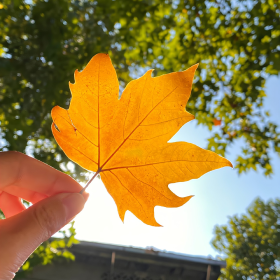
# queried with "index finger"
point(17, 169)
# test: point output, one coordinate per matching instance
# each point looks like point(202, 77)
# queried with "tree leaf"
point(125, 140)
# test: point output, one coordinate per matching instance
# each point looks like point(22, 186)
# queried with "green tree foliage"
point(235, 42)
point(2, 216)
point(251, 243)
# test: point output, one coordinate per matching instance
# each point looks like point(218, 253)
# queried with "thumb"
point(21, 234)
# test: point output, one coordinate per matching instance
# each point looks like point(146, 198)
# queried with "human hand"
point(56, 200)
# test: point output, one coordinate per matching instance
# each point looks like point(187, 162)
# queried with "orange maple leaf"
point(125, 140)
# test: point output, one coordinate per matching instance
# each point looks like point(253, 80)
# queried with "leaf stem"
point(98, 171)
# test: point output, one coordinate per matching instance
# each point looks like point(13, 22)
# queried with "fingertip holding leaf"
point(125, 140)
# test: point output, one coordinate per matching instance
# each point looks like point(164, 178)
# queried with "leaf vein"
point(128, 190)
point(165, 121)
point(135, 129)
point(163, 162)
point(147, 184)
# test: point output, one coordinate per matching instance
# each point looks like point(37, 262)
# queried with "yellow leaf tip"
point(189, 197)
point(227, 163)
point(184, 200)
point(194, 67)
point(121, 214)
point(156, 224)
point(102, 55)
point(149, 72)
point(54, 109)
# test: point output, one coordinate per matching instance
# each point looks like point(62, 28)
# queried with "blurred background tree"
point(235, 42)
point(237, 46)
point(251, 243)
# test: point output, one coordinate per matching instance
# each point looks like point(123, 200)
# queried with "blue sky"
point(188, 229)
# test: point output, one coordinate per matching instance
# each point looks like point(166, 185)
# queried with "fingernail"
point(74, 204)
